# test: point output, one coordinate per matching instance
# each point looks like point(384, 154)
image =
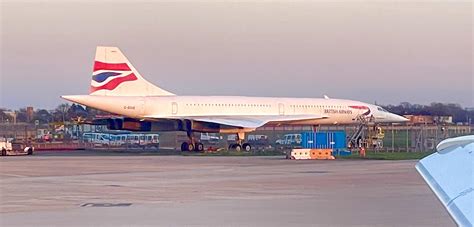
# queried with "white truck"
point(8, 148)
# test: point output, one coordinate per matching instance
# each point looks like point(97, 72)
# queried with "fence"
point(412, 138)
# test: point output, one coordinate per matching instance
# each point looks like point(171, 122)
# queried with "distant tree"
point(470, 116)
point(76, 111)
point(43, 116)
point(93, 113)
point(59, 114)
point(4, 117)
point(21, 115)
point(405, 105)
point(434, 109)
point(66, 112)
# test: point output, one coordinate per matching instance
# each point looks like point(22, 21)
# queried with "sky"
point(374, 51)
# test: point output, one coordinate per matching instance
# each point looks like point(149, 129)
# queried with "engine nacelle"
point(129, 125)
point(205, 127)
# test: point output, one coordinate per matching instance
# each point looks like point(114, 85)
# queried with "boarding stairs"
point(354, 140)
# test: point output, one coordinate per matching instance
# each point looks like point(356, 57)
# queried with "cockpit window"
point(381, 109)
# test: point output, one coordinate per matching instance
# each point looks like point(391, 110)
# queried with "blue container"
point(323, 140)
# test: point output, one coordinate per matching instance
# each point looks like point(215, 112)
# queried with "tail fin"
point(114, 75)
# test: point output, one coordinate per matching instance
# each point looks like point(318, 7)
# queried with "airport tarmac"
point(84, 188)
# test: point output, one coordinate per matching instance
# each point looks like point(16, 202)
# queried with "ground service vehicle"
point(289, 140)
point(122, 140)
point(7, 147)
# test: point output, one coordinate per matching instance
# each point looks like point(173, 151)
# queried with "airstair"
point(357, 138)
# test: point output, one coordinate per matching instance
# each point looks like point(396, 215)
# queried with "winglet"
point(448, 144)
point(326, 97)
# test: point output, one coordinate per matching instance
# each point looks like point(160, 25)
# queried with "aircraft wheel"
point(184, 146)
point(237, 147)
point(190, 147)
point(199, 147)
point(247, 147)
point(4, 152)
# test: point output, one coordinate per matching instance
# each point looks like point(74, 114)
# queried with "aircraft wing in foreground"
point(449, 173)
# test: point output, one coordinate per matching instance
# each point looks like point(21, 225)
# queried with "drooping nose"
point(397, 118)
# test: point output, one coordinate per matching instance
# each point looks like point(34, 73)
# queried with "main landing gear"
point(192, 145)
point(189, 146)
point(240, 145)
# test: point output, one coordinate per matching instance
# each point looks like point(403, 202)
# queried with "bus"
point(129, 140)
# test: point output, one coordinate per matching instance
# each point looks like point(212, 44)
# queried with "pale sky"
point(382, 51)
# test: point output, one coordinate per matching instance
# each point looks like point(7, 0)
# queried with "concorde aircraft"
point(118, 88)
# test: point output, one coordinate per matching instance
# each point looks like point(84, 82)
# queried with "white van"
point(290, 139)
point(210, 137)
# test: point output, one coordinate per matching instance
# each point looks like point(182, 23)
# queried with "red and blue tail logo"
point(108, 76)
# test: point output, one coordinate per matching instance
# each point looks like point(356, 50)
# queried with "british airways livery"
point(109, 76)
point(118, 88)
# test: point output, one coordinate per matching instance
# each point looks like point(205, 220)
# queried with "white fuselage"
point(335, 111)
